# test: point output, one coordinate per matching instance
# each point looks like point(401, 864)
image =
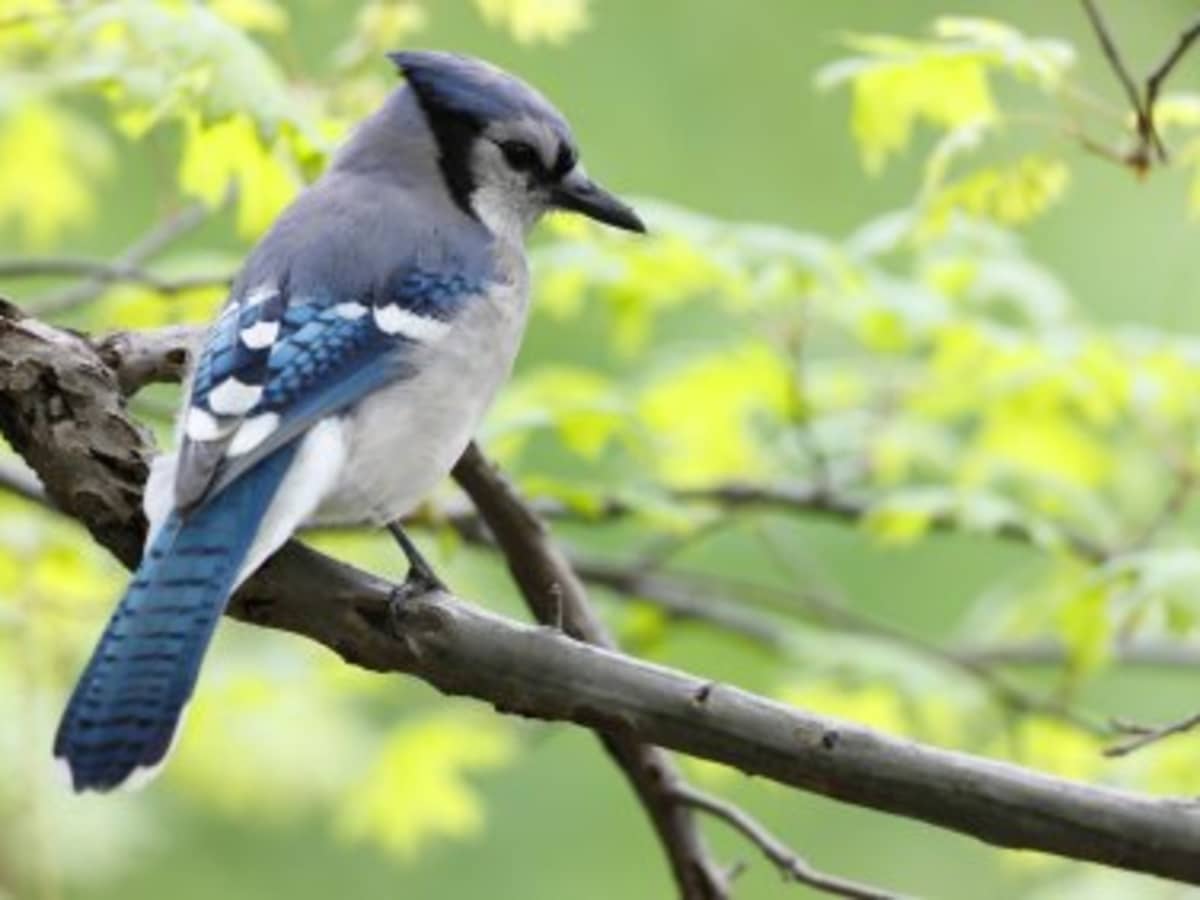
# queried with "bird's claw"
point(418, 583)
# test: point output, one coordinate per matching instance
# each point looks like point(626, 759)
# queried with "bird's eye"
point(521, 156)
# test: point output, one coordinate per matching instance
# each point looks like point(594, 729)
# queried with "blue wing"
point(277, 361)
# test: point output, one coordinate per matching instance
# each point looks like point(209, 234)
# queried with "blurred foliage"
point(924, 370)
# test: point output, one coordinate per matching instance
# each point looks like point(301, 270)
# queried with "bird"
point(361, 343)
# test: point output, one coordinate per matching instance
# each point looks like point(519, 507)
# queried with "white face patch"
point(251, 433)
point(350, 310)
point(392, 319)
point(504, 199)
point(232, 398)
point(201, 425)
point(260, 335)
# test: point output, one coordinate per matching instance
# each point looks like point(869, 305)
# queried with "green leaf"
point(898, 83)
point(1010, 195)
point(160, 59)
point(50, 161)
point(705, 414)
point(230, 153)
point(417, 790)
point(534, 21)
point(583, 408)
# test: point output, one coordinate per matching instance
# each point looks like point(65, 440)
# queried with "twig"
point(683, 602)
point(1146, 653)
point(789, 863)
point(721, 601)
point(137, 254)
point(1142, 102)
point(1156, 78)
point(556, 597)
point(463, 650)
point(1183, 486)
point(1139, 157)
point(1146, 736)
point(838, 503)
point(1113, 55)
point(104, 271)
point(1011, 695)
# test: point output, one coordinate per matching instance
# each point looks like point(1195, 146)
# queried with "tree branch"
point(1160, 72)
point(556, 596)
point(1141, 101)
point(840, 504)
point(61, 408)
point(785, 859)
point(1145, 653)
point(1144, 736)
point(103, 271)
point(137, 254)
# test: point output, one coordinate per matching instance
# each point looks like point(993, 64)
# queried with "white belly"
point(404, 439)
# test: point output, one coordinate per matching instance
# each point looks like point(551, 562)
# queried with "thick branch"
point(59, 402)
point(542, 674)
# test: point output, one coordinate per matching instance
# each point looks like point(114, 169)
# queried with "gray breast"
point(406, 437)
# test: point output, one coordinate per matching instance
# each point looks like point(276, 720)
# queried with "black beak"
point(580, 194)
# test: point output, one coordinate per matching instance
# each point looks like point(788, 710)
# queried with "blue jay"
point(362, 342)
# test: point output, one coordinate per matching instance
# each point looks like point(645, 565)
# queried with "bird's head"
point(507, 155)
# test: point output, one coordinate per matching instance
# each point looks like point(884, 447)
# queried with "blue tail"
point(121, 719)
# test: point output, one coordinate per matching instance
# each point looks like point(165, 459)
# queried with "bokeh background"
point(300, 779)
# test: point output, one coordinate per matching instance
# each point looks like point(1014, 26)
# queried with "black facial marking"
point(455, 134)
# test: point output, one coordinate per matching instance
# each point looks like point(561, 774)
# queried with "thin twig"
point(1143, 102)
point(1144, 653)
point(1145, 736)
point(789, 863)
point(1156, 78)
point(1183, 486)
point(1008, 694)
point(136, 255)
point(680, 601)
point(104, 271)
point(840, 503)
point(1113, 54)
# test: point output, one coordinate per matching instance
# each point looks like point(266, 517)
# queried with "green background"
point(710, 104)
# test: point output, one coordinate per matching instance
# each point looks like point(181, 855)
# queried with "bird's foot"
point(420, 580)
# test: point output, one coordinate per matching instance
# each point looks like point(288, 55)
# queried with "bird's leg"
point(421, 578)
